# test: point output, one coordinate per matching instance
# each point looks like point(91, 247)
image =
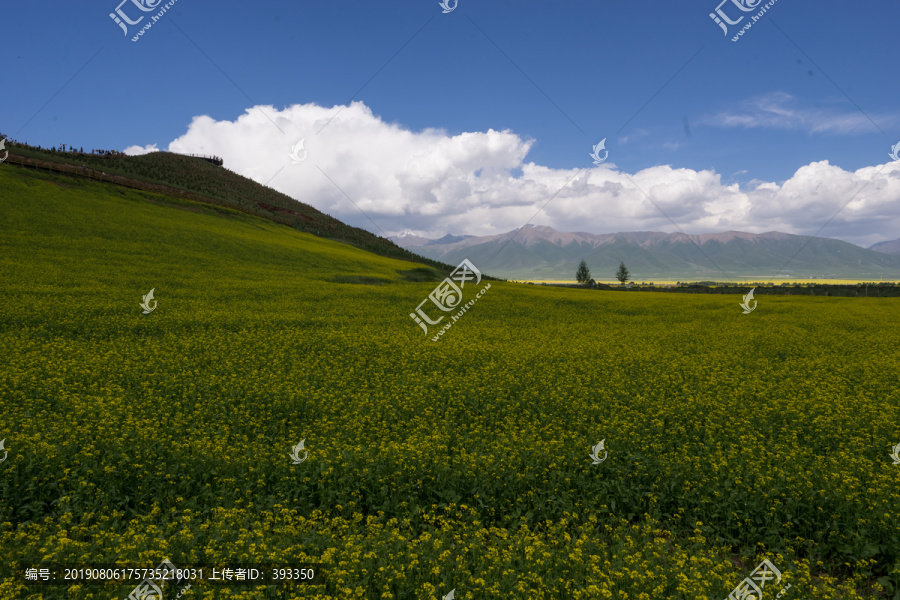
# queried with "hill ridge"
point(167, 172)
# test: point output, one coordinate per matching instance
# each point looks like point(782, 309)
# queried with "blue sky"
point(471, 121)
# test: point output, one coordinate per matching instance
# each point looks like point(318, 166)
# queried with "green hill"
point(208, 183)
point(458, 464)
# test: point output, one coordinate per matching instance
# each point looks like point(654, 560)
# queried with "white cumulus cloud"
point(140, 150)
point(431, 182)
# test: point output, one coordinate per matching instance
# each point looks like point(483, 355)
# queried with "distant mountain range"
point(886, 247)
point(540, 252)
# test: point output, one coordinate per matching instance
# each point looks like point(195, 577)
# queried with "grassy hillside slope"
point(218, 185)
point(457, 464)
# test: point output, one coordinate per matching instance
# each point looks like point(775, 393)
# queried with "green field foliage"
point(458, 464)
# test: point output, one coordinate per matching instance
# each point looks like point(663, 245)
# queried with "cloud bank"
point(479, 183)
point(779, 110)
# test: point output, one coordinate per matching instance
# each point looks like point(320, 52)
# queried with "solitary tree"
point(583, 274)
point(622, 273)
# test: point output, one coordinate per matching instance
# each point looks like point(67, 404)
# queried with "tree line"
point(96, 152)
point(63, 148)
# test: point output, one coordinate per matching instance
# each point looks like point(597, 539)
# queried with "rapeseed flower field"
point(461, 464)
